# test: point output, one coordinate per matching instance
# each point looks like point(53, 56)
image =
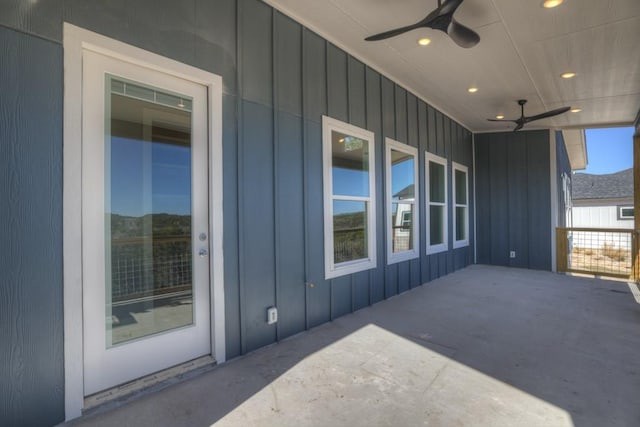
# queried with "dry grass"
point(607, 259)
point(615, 254)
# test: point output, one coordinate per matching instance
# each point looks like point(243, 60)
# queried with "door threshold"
point(152, 382)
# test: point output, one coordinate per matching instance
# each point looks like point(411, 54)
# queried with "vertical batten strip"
point(240, 176)
point(275, 104)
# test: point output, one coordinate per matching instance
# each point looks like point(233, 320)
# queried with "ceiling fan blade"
point(518, 127)
point(449, 7)
point(548, 114)
point(463, 36)
point(392, 33)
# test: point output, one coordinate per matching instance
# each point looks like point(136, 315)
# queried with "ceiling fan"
point(440, 19)
point(523, 120)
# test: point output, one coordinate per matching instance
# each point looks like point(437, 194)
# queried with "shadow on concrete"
point(482, 346)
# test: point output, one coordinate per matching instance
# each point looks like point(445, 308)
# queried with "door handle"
point(203, 253)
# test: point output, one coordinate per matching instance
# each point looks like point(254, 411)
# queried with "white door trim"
point(76, 40)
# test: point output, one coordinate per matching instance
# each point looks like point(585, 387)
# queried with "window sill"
point(350, 267)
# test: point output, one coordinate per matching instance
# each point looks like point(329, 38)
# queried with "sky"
point(349, 182)
point(170, 178)
point(609, 150)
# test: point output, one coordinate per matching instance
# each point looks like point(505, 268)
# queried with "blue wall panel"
point(160, 26)
point(288, 64)
point(255, 51)
point(361, 290)
point(290, 279)
point(500, 204)
point(337, 83)
point(539, 178)
point(279, 79)
point(230, 236)
point(357, 93)
point(289, 177)
point(518, 207)
point(389, 122)
point(373, 86)
point(483, 194)
point(314, 89)
point(215, 40)
point(341, 295)
point(423, 145)
point(513, 181)
point(257, 240)
point(40, 18)
point(31, 310)
point(401, 114)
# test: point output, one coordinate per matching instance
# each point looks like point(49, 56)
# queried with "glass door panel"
point(145, 230)
point(148, 205)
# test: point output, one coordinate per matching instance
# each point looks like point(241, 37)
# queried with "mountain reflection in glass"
point(349, 230)
point(403, 199)
point(148, 211)
point(350, 177)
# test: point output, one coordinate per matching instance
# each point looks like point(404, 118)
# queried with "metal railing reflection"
point(349, 244)
point(143, 266)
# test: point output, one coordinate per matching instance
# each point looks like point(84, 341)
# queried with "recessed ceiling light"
point(576, 110)
point(499, 117)
point(568, 75)
point(472, 89)
point(424, 42)
point(552, 3)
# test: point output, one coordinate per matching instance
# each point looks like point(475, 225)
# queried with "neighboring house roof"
point(406, 193)
point(617, 185)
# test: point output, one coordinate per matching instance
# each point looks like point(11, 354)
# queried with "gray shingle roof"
point(611, 186)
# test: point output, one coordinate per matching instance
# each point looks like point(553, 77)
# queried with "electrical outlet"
point(512, 254)
point(272, 315)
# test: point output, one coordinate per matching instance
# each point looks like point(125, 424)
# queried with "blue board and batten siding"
point(31, 319)
point(279, 79)
point(513, 191)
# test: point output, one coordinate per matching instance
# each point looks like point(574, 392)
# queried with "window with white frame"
point(403, 241)
point(625, 212)
point(461, 205)
point(349, 198)
point(436, 206)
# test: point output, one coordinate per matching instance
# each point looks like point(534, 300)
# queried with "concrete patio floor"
point(485, 346)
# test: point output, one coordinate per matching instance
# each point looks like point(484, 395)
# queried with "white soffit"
point(522, 52)
point(575, 142)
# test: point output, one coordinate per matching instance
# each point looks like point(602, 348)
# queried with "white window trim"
point(454, 167)
point(622, 217)
point(444, 246)
point(77, 40)
point(415, 252)
point(331, 268)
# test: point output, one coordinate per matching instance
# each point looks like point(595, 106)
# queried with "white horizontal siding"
point(599, 217)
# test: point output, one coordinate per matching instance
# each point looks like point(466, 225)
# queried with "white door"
point(145, 231)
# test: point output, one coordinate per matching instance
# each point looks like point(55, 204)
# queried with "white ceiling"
point(522, 52)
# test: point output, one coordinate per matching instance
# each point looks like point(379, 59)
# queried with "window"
point(402, 209)
point(625, 212)
point(349, 198)
point(436, 185)
point(461, 199)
